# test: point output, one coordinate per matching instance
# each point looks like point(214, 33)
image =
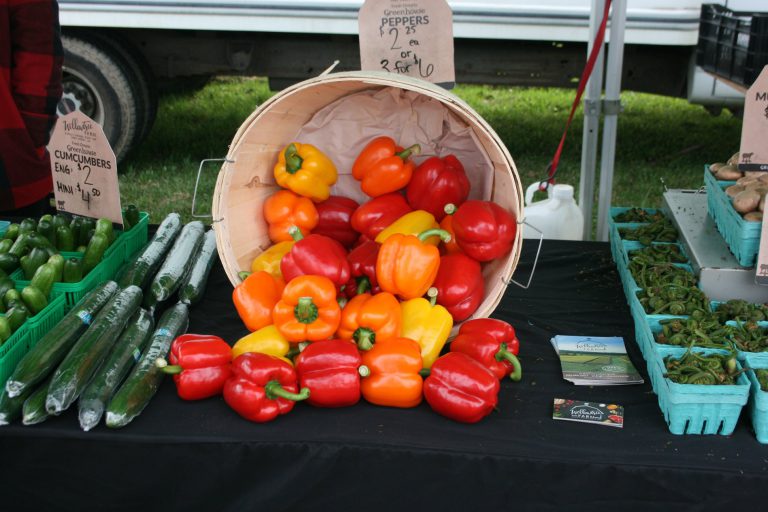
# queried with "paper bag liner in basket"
point(339, 113)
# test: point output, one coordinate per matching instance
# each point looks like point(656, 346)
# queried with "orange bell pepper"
point(394, 378)
point(383, 167)
point(450, 247)
point(308, 310)
point(370, 318)
point(284, 209)
point(407, 266)
point(255, 297)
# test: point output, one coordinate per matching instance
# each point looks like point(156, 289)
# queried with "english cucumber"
point(33, 411)
point(193, 286)
point(126, 352)
point(177, 264)
point(43, 358)
point(142, 270)
point(143, 381)
point(84, 358)
point(11, 406)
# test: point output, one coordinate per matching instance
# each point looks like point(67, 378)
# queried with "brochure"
point(595, 360)
point(609, 415)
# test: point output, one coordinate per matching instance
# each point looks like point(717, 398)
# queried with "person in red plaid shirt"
point(30, 87)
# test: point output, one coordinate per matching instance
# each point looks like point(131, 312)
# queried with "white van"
point(117, 50)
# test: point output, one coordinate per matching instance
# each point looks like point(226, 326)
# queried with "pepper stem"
point(293, 161)
point(363, 284)
point(363, 370)
point(411, 150)
point(444, 235)
point(305, 311)
point(295, 233)
point(425, 372)
point(364, 338)
point(275, 390)
point(243, 274)
point(504, 354)
point(172, 369)
point(432, 295)
point(449, 208)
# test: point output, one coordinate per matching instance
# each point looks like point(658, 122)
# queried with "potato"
point(733, 190)
point(745, 181)
point(754, 174)
point(734, 160)
point(753, 217)
point(728, 173)
point(746, 201)
point(715, 166)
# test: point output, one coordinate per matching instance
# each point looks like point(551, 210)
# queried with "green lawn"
point(659, 139)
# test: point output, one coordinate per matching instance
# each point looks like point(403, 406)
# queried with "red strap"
point(588, 68)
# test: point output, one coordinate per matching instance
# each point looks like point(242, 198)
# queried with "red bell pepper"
point(460, 388)
point(493, 343)
point(484, 230)
point(331, 370)
point(460, 285)
point(200, 364)
point(262, 387)
point(316, 255)
point(335, 220)
point(378, 213)
point(362, 263)
point(437, 182)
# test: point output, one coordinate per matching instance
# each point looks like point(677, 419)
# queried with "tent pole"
point(611, 107)
point(591, 131)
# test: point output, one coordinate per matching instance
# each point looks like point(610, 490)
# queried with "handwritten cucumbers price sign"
point(84, 169)
point(408, 37)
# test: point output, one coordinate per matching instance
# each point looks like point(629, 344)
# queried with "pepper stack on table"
point(359, 300)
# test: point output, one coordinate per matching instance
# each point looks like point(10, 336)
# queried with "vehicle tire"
point(143, 79)
point(95, 83)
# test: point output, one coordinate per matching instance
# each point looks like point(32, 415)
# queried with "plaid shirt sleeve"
point(30, 87)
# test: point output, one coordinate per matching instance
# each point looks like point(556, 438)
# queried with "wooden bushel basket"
point(246, 179)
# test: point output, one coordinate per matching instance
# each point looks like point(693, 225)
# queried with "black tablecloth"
point(203, 456)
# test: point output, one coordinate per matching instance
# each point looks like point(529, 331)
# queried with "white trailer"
point(117, 51)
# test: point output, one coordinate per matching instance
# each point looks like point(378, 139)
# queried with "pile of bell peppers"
point(358, 299)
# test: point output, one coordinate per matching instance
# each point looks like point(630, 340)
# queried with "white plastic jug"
point(558, 216)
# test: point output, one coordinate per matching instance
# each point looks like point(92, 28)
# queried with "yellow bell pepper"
point(269, 260)
point(306, 171)
point(427, 324)
point(412, 223)
point(266, 340)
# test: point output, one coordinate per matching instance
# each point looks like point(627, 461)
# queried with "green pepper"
point(27, 225)
point(9, 262)
point(5, 245)
point(11, 296)
point(19, 247)
point(17, 314)
point(61, 219)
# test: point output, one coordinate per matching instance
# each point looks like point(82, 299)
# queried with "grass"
point(658, 138)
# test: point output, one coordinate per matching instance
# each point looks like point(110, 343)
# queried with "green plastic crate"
point(136, 237)
point(28, 335)
point(12, 351)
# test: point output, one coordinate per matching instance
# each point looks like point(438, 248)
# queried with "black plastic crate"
point(733, 45)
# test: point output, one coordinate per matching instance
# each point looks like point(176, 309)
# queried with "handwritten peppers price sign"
point(84, 169)
point(408, 37)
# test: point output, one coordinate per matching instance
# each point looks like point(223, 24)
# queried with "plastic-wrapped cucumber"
point(193, 286)
point(141, 385)
point(10, 406)
point(142, 270)
point(177, 264)
point(125, 353)
point(33, 411)
point(43, 358)
point(82, 361)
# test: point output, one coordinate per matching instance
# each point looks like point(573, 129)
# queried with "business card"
point(609, 415)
